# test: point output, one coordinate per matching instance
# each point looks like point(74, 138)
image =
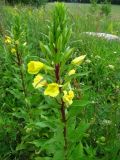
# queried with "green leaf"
point(69, 78)
point(42, 124)
point(77, 107)
point(77, 153)
point(59, 43)
point(21, 146)
point(15, 92)
point(80, 103)
point(66, 55)
point(77, 134)
point(45, 49)
point(38, 143)
point(68, 34)
point(58, 155)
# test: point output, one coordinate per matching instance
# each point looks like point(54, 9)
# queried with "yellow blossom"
point(78, 60)
point(8, 40)
point(34, 67)
point(13, 50)
point(71, 72)
point(39, 82)
point(68, 96)
point(52, 90)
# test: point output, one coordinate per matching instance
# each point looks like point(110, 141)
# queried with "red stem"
point(21, 73)
point(57, 71)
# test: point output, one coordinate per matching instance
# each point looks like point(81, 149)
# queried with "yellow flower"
point(13, 50)
point(68, 96)
point(8, 40)
point(52, 90)
point(71, 72)
point(34, 67)
point(39, 82)
point(78, 60)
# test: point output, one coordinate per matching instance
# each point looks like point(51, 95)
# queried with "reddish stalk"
point(19, 62)
point(57, 71)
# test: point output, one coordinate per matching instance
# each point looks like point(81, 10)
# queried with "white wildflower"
point(111, 66)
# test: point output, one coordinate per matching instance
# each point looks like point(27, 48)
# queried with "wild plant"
point(55, 79)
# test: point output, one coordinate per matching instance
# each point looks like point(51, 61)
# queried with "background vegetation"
point(39, 2)
point(27, 119)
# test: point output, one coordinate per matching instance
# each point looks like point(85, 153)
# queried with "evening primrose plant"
point(53, 77)
point(15, 48)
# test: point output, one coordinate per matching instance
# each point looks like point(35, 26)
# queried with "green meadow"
point(30, 122)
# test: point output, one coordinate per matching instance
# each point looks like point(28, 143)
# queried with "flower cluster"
point(68, 96)
point(53, 89)
point(8, 40)
point(11, 44)
point(34, 67)
point(14, 44)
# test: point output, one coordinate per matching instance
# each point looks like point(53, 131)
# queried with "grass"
point(20, 136)
point(80, 8)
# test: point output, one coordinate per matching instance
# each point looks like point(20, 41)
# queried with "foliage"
point(31, 121)
point(93, 6)
point(106, 8)
point(31, 2)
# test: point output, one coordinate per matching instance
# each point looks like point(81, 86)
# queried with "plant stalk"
point(19, 62)
point(57, 70)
